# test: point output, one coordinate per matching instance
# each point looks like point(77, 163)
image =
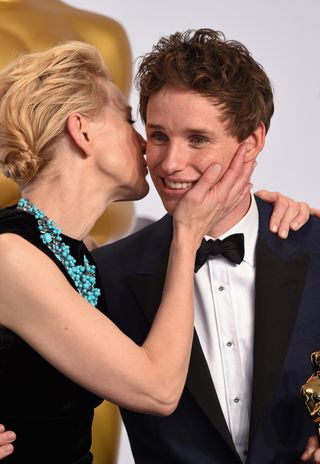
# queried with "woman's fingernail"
point(274, 228)
point(283, 234)
point(8, 448)
point(296, 226)
point(216, 167)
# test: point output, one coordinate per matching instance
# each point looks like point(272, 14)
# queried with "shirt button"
point(245, 453)
point(236, 400)
point(221, 288)
point(229, 344)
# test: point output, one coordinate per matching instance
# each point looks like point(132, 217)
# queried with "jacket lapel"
point(148, 281)
point(147, 286)
point(280, 278)
point(200, 385)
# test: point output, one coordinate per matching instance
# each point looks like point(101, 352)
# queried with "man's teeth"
point(177, 185)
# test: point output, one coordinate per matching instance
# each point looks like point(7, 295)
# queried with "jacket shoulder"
point(129, 251)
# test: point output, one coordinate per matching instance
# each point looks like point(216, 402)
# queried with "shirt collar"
point(248, 226)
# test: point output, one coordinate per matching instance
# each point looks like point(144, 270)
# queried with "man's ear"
point(255, 142)
point(79, 131)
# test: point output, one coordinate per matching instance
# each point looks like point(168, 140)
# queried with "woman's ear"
point(79, 131)
point(255, 142)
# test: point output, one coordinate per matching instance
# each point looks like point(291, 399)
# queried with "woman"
point(66, 137)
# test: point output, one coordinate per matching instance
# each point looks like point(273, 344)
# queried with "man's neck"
point(230, 219)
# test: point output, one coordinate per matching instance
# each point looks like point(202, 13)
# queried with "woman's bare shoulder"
point(12, 246)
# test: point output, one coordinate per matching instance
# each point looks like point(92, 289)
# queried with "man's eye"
point(197, 139)
point(157, 137)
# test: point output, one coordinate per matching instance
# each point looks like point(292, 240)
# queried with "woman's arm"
point(40, 306)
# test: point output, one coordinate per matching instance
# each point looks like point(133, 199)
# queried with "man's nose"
point(172, 159)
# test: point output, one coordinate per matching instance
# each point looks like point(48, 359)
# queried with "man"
point(256, 320)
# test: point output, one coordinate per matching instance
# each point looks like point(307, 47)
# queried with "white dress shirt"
point(224, 321)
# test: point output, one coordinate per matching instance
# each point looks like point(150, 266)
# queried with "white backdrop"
point(284, 36)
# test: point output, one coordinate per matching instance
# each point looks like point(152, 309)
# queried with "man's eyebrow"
point(187, 130)
point(154, 126)
point(199, 130)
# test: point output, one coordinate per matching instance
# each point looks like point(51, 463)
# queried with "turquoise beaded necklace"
point(83, 275)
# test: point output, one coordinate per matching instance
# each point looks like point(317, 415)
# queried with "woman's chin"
point(136, 193)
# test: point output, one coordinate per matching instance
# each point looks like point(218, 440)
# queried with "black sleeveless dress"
point(50, 414)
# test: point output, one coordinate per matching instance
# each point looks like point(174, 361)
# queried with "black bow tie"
point(231, 247)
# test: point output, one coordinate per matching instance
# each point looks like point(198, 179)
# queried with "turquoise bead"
point(47, 238)
point(82, 275)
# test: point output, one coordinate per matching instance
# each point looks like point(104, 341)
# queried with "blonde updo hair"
point(38, 91)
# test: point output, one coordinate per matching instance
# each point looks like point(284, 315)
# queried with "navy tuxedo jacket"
point(287, 330)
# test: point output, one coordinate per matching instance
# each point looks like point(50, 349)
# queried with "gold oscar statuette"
point(311, 390)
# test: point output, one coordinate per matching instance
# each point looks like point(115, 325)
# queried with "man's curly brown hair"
point(221, 70)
